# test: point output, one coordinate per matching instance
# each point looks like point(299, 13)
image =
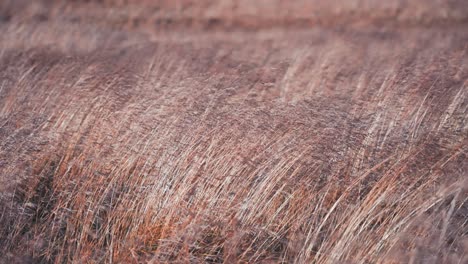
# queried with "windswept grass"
point(276, 146)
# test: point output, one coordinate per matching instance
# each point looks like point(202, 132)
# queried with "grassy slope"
point(184, 132)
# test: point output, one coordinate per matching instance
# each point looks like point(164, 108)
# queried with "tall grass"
point(317, 146)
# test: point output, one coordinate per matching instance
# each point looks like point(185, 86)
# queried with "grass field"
point(233, 131)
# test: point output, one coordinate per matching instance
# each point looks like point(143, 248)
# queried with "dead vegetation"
point(265, 141)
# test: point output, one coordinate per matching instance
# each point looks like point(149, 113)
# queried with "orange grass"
point(324, 145)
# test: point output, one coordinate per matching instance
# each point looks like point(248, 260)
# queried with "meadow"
point(233, 131)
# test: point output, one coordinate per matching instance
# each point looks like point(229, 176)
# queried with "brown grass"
point(256, 139)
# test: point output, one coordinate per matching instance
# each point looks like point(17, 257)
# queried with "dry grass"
point(256, 140)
